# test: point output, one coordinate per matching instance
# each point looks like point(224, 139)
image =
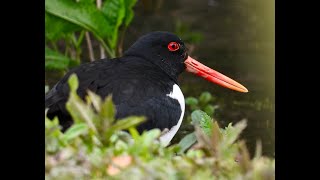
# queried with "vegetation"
point(96, 147)
point(69, 22)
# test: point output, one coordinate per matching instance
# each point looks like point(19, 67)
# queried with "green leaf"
point(191, 101)
point(108, 109)
point(51, 123)
point(75, 130)
point(56, 28)
point(96, 100)
point(205, 97)
point(209, 109)
point(231, 133)
point(216, 135)
point(204, 121)
point(129, 14)
point(123, 124)
point(73, 82)
point(187, 142)
point(83, 14)
point(53, 135)
point(128, 122)
point(149, 136)
point(134, 133)
point(55, 60)
point(80, 111)
point(114, 12)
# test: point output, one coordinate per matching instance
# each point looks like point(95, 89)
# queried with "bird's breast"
point(177, 94)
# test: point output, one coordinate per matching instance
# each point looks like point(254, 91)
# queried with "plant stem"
point(99, 3)
point(90, 49)
point(102, 52)
point(66, 50)
point(73, 51)
point(80, 38)
point(76, 43)
point(109, 51)
point(120, 44)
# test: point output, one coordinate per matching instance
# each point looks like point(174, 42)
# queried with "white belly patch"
point(175, 94)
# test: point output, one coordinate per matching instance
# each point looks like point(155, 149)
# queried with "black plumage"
point(139, 82)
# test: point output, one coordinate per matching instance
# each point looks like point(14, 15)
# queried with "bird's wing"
point(88, 75)
point(160, 112)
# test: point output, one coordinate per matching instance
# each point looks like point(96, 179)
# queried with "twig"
point(90, 49)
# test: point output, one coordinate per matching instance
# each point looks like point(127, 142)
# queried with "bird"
point(143, 82)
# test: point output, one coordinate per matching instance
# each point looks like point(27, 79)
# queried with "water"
point(238, 41)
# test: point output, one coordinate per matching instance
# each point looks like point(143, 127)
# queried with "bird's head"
point(168, 52)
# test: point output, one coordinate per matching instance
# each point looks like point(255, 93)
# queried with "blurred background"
point(234, 37)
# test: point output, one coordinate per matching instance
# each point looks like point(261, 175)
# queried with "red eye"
point(173, 46)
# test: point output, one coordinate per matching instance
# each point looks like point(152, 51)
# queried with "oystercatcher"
point(142, 82)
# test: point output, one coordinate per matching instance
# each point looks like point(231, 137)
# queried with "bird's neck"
point(141, 61)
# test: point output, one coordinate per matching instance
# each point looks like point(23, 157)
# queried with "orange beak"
point(213, 76)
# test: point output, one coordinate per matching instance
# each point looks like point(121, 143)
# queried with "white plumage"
point(175, 94)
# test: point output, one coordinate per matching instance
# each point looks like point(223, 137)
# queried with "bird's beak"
point(211, 75)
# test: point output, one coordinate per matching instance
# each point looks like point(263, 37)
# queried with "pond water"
point(237, 40)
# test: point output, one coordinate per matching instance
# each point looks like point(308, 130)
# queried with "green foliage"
point(95, 147)
point(204, 102)
point(129, 12)
point(98, 115)
point(66, 22)
point(187, 142)
point(114, 12)
point(57, 28)
point(80, 13)
point(57, 61)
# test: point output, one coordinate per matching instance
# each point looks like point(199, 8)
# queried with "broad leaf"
point(55, 60)
point(187, 142)
point(83, 14)
point(209, 109)
point(114, 12)
point(75, 130)
point(56, 28)
point(203, 120)
point(129, 12)
point(231, 133)
point(205, 97)
point(123, 124)
point(191, 101)
point(80, 111)
point(128, 122)
point(108, 109)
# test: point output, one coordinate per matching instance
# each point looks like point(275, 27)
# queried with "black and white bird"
point(144, 81)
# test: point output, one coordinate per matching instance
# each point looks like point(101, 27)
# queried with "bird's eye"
point(173, 46)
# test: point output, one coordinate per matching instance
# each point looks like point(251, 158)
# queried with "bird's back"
point(137, 87)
